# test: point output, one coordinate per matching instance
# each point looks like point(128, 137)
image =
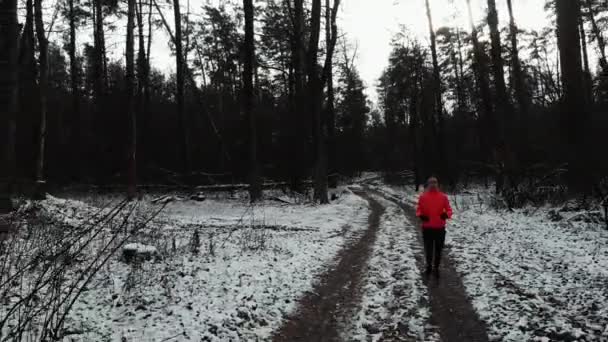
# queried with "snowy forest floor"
point(533, 274)
point(288, 270)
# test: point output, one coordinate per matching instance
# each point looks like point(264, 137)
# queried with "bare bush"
point(52, 259)
point(195, 242)
point(255, 238)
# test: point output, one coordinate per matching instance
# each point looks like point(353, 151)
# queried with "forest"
point(270, 91)
point(226, 170)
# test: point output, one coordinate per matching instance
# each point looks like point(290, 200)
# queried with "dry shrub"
point(52, 258)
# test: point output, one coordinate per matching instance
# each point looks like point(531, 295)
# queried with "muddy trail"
point(322, 311)
point(451, 309)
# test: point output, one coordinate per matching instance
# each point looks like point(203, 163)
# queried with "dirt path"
point(322, 311)
point(451, 309)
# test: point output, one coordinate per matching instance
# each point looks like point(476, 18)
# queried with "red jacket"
point(432, 204)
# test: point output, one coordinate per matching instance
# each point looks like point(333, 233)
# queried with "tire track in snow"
point(323, 312)
point(395, 304)
point(451, 309)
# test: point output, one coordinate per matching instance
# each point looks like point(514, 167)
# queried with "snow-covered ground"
point(531, 277)
point(394, 304)
point(250, 267)
point(222, 270)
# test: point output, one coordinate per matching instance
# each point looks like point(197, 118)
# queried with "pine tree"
point(131, 113)
point(75, 140)
point(331, 36)
point(255, 188)
point(43, 93)
point(438, 122)
point(179, 73)
point(315, 91)
point(9, 39)
point(575, 116)
point(488, 127)
point(502, 97)
point(518, 77)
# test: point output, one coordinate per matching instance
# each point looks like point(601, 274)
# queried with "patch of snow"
point(530, 278)
point(140, 248)
point(251, 265)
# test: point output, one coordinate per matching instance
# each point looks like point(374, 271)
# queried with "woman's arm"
point(448, 208)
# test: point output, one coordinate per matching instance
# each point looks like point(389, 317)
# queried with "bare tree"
point(142, 68)
point(255, 188)
point(505, 164)
point(143, 77)
point(9, 41)
point(315, 91)
point(74, 85)
point(179, 73)
point(575, 117)
point(298, 123)
point(43, 89)
point(488, 126)
point(414, 126)
point(599, 37)
point(502, 97)
point(438, 124)
point(131, 113)
point(518, 76)
point(100, 76)
point(331, 37)
point(586, 69)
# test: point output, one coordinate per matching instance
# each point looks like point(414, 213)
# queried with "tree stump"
point(137, 252)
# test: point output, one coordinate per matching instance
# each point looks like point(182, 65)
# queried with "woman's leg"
point(439, 239)
point(428, 239)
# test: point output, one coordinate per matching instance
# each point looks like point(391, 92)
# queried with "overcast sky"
point(372, 23)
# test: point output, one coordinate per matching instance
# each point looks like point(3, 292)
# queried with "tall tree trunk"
point(99, 42)
point(455, 55)
point(298, 123)
point(558, 84)
point(575, 115)
point(502, 97)
point(488, 130)
point(142, 80)
point(141, 54)
point(255, 188)
point(414, 127)
point(99, 86)
point(601, 43)
point(504, 164)
point(148, 48)
point(518, 79)
point(74, 85)
point(27, 45)
point(131, 112)
point(460, 70)
point(438, 122)
point(144, 125)
point(9, 40)
point(315, 90)
point(43, 89)
point(331, 37)
point(180, 68)
point(28, 87)
point(586, 70)
point(329, 106)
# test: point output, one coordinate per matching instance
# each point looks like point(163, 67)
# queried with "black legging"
point(434, 239)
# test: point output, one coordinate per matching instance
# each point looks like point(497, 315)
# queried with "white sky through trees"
point(367, 24)
point(371, 24)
